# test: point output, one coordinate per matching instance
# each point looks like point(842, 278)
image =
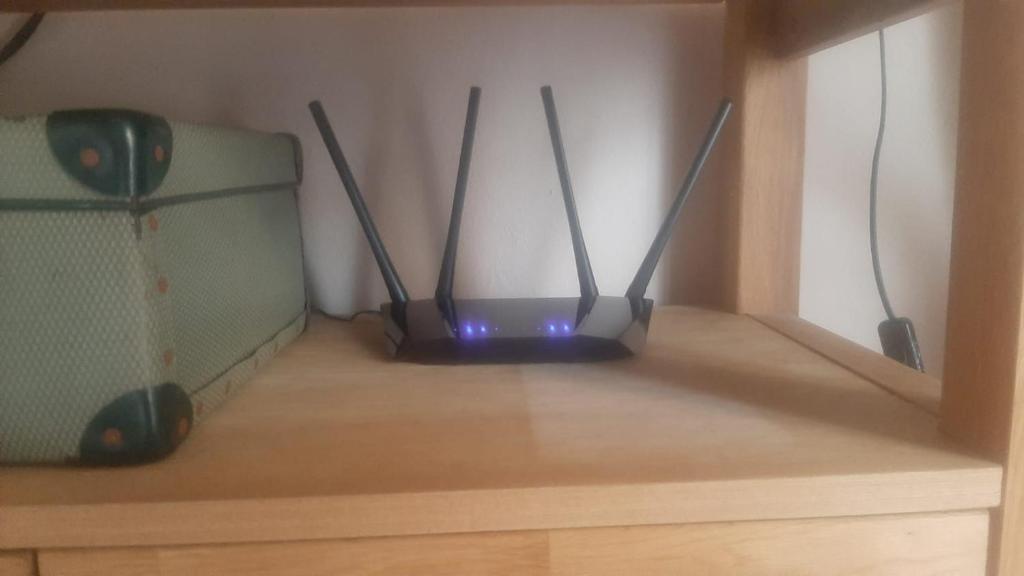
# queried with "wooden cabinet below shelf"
point(876, 546)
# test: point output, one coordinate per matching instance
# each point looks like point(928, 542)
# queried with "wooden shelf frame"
point(26, 6)
point(982, 403)
point(795, 27)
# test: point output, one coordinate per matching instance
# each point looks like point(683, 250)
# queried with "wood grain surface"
point(17, 563)
point(720, 418)
point(916, 387)
point(762, 171)
point(876, 546)
point(983, 390)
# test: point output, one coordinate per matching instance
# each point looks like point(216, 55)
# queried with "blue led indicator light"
point(483, 329)
point(551, 328)
point(565, 328)
point(469, 329)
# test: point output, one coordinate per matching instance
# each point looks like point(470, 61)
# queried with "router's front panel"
point(517, 330)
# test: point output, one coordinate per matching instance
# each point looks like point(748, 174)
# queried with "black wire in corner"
point(873, 209)
point(21, 37)
point(352, 316)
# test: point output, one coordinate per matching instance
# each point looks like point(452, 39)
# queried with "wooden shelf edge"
point(362, 516)
point(803, 27)
point(18, 563)
point(26, 6)
point(919, 389)
point(943, 543)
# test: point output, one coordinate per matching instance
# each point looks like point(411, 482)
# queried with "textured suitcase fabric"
point(146, 270)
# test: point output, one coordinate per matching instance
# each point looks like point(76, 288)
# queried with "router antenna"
point(387, 269)
point(447, 276)
point(588, 286)
point(638, 287)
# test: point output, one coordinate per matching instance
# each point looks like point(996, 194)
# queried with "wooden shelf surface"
point(722, 418)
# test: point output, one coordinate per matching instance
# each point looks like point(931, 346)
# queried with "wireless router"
point(448, 330)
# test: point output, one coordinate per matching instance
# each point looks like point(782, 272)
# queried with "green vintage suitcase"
point(147, 269)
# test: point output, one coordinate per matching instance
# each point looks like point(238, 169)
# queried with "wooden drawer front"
point(914, 545)
point(952, 543)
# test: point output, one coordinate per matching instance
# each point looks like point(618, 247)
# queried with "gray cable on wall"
point(899, 340)
point(873, 209)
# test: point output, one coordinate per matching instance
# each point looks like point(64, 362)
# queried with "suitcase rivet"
point(183, 427)
point(162, 285)
point(112, 438)
point(153, 223)
point(158, 153)
point(89, 157)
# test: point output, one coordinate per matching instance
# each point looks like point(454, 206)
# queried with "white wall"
point(635, 86)
point(916, 181)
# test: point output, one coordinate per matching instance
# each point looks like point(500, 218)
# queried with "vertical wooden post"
point(763, 167)
point(982, 399)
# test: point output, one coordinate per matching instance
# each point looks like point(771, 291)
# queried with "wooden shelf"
point(721, 419)
point(83, 5)
point(795, 27)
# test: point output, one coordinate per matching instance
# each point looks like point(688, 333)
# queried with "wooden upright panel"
point(983, 373)
point(763, 168)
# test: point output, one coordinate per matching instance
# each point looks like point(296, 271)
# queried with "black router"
point(448, 330)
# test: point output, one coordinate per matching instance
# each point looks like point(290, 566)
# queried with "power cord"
point(352, 316)
point(21, 37)
point(899, 341)
point(873, 209)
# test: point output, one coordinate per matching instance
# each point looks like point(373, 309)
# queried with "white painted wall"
point(636, 87)
point(916, 181)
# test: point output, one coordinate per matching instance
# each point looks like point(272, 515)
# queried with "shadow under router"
point(448, 330)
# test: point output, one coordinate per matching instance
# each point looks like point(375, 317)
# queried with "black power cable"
point(21, 37)
point(350, 317)
point(899, 341)
point(873, 210)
